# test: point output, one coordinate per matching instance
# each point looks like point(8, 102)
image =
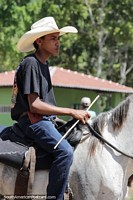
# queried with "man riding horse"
point(33, 101)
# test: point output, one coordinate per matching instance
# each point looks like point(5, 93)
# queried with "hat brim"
point(25, 44)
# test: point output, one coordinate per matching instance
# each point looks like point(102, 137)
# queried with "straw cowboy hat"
point(40, 28)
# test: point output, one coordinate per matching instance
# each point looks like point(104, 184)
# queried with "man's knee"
point(68, 152)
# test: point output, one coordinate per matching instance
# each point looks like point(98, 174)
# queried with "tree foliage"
point(103, 46)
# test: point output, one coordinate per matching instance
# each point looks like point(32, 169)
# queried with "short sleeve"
point(31, 77)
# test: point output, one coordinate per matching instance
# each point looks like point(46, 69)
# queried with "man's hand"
point(81, 115)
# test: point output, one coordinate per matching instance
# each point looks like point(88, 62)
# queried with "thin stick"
point(65, 135)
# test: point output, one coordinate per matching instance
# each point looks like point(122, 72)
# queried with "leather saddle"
point(11, 153)
point(14, 145)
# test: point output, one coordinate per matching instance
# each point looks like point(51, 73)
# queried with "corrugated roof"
point(71, 79)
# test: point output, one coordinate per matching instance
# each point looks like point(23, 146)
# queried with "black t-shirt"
point(31, 76)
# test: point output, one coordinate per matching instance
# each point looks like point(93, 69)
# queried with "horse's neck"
point(102, 167)
point(123, 136)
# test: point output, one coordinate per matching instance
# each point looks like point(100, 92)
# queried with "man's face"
point(50, 44)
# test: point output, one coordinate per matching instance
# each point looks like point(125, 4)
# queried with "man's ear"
point(38, 41)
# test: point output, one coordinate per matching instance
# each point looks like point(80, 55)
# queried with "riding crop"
point(65, 135)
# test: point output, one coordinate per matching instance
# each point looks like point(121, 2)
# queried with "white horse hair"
point(98, 171)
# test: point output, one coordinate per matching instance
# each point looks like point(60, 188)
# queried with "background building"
point(69, 87)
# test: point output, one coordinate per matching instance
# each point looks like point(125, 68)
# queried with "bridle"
point(100, 137)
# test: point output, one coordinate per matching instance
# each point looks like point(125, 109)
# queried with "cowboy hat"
point(40, 28)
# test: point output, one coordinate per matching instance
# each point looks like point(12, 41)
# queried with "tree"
point(102, 47)
point(112, 24)
point(16, 17)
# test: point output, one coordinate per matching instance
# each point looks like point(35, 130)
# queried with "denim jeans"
point(46, 136)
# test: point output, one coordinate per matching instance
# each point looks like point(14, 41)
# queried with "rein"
point(97, 135)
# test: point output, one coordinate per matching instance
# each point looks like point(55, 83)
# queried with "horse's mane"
point(116, 117)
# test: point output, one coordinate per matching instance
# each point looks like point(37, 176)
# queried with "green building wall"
point(65, 97)
point(68, 97)
point(5, 100)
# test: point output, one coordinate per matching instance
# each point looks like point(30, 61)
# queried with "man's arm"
point(39, 107)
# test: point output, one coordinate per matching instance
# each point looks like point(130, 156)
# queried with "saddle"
point(12, 153)
point(14, 145)
point(74, 135)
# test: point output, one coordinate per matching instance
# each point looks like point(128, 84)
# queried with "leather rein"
point(100, 137)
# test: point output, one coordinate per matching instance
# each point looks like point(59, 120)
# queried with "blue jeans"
point(46, 136)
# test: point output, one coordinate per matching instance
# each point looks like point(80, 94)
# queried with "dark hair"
point(35, 44)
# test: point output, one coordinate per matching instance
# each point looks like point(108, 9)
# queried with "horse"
point(101, 168)
point(102, 160)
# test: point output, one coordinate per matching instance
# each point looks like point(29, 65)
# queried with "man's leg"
point(46, 136)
